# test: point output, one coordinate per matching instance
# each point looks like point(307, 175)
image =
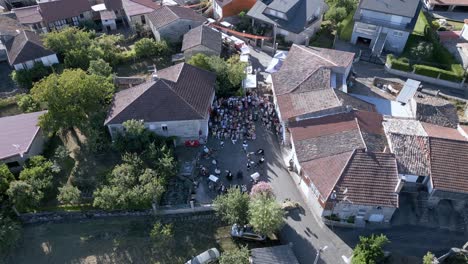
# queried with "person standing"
point(245, 145)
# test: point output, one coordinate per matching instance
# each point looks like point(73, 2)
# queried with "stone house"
point(177, 102)
point(26, 48)
point(20, 138)
point(50, 15)
point(228, 8)
point(172, 22)
point(136, 11)
point(384, 24)
point(343, 166)
point(202, 39)
point(296, 20)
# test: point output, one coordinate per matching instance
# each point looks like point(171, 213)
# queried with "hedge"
point(398, 64)
point(434, 72)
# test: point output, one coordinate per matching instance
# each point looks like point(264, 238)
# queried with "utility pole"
point(317, 256)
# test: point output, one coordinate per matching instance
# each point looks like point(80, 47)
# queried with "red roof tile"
point(62, 9)
point(442, 132)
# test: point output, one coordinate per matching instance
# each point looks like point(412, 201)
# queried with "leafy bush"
point(27, 103)
point(351, 219)
point(235, 256)
point(25, 78)
point(396, 64)
point(436, 72)
point(69, 194)
point(262, 188)
point(422, 51)
point(146, 47)
point(333, 217)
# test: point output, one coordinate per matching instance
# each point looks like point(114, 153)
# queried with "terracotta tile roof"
point(443, 132)
point(28, 15)
point(325, 172)
point(370, 179)
point(168, 14)
point(17, 133)
point(436, 110)
point(62, 9)
point(449, 165)
point(205, 36)
point(183, 92)
point(26, 46)
point(135, 8)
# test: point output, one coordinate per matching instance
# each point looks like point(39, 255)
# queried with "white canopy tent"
point(277, 61)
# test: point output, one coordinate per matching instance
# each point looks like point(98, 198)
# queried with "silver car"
point(209, 256)
point(246, 233)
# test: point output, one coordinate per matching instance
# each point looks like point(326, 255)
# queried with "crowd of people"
point(235, 118)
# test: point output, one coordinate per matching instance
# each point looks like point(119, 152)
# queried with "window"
point(164, 127)
point(189, 27)
point(143, 20)
point(398, 34)
point(81, 16)
point(13, 164)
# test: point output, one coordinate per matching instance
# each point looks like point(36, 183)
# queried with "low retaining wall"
point(329, 222)
point(460, 86)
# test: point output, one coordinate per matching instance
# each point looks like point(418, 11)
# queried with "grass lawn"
point(345, 29)
point(421, 24)
point(457, 26)
point(117, 240)
point(323, 38)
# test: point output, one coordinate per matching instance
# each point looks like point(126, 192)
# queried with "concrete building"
point(343, 166)
point(172, 22)
point(228, 8)
point(20, 138)
point(26, 48)
point(312, 83)
point(136, 11)
point(202, 39)
point(296, 20)
point(50, 15)
point(384, 24)
point(176, 102)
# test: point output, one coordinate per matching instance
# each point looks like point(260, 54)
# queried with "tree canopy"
point(232, 207)
point(72, 99)
point(369, 250)
point(5, 178)
point(100, 67)
point(229, 73)
point(69, 194)
point(235, 256)
point(266, 215)
point(146, 48)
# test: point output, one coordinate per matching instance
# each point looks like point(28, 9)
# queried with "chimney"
point(154, 75)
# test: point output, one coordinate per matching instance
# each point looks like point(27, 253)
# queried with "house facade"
point(228, 8)
point(177, 102)
point(384, 24)
point(202, 39)
point(26, 48)
point(446, 5)
point(172, 22)
point(136, 11)
point(50, 15)
point(20, 138)
point(297, 21)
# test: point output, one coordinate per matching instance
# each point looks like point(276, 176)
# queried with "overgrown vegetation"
point(26, 77)
point(235, 256)
point(369, 250)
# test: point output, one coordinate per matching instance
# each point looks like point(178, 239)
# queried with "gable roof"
point(28, 15)
point(26, 46)
point(324, 146)
point(183, 92)
point(17, 133)
point(205, 36)
point(10, 26)
point(62, 9)
point(406, 8)
point(139, 7)
point(303, 84)
point(168, 14)
point(298, 13)
point(370, 179)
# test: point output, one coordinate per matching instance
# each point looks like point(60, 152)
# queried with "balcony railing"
point(382, 22)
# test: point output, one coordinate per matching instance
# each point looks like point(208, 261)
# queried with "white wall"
point(346, 209)
point(464, 32)
point(111, 23)
point(218, 11)
point(47, 61)
point(36, 148)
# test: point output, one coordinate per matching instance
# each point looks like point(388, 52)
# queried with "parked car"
point(246, 232)
point(209, 256)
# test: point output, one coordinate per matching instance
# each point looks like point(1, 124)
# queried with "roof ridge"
point(129, 103)
point(306, 78)
point(353, 152)
point(360, 131)
point(22, 45)
point(315, 54)
point(182, 98)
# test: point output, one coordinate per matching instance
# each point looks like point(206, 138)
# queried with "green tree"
point(369, 250)
point(106, 47)
point(100, 67)
point(69, 194)
point(200, 60)
point(39, 173)
point(161, 234)
point(235, 256)
point(336, 15)
point(23, 195)
point(72, 98)
point(232, 207)
point(69, 38)
point(423, 51)
point(5, 178)
point(135, 138)
point(428, 258)
point(130, 186)
point(77, 58)
point(10, 233)
point(27, 104)
point(26, 77)
point(266, 215)
point(146, 47)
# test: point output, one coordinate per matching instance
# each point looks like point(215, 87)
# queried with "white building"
point(176, 102)
point(26, 48)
